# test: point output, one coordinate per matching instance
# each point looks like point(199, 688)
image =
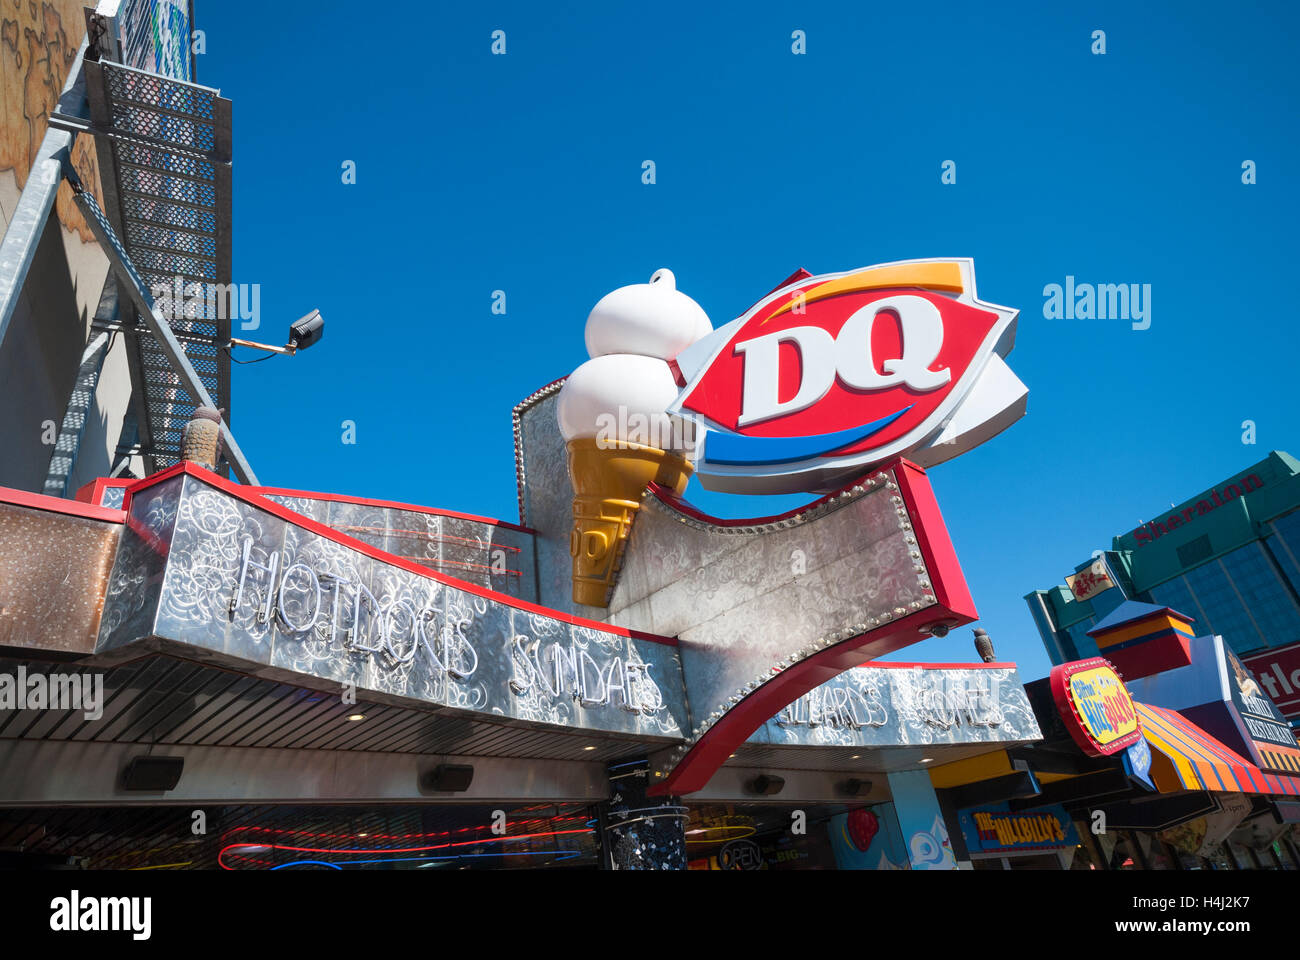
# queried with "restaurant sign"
point(1095, 705)
point(1278, 671)
point(829, 375)
point(206, 570)
point(905, 704)
point(1221, 696)
point(996, 829)
point(1086, 584)
point(1269, 732)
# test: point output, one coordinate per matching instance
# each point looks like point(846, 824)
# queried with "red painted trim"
point(943, 666)
point(735, 726)
point(954, 607)
point(1150, 657)
point(799, 276)
point(252, 498)
point(1058, 682)
point(93, 493)
point(71, 508)
point(390, 504)
point(946, 576)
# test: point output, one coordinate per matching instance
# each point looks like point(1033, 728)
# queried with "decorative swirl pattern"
point(250, 585)
point(901, 706)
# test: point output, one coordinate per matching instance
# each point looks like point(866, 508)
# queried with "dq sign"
point(832, 374)
point(1095, 705)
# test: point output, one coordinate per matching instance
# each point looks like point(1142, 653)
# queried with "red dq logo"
point(830, 374)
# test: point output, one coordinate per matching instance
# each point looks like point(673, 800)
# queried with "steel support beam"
point(23, 234)
point(138, 293)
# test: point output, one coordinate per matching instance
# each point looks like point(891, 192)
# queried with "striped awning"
point(1201, 762)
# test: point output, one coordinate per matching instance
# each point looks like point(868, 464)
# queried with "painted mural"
point(868, 838)
point(38, 44)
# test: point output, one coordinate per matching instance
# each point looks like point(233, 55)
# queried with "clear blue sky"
point(523, 173)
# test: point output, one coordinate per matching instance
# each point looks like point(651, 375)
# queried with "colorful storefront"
point(1178, 762)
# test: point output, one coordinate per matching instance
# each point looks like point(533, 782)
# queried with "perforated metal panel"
point(165, 151)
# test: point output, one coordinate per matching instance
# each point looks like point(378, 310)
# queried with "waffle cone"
point(607, 487)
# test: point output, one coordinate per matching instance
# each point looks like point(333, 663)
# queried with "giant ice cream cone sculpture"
point(607, 486)
point(612, 417)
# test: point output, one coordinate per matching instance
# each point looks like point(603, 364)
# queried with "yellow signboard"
point(1096, 706)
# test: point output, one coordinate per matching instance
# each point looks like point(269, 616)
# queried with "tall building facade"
point(1228, 557)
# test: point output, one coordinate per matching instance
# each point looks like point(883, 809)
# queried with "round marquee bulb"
point(652, 319)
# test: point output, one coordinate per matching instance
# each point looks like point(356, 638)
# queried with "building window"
point(1176, 595)
point(1267, 601)
point(1285, 546)
point(1194, 551)
point(1241, 596)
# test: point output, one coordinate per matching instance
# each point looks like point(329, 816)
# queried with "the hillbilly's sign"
point(831, 374)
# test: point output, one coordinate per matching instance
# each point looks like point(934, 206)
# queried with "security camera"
point(307, 331)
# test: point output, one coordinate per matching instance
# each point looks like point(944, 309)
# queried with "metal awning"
point(1201, 762)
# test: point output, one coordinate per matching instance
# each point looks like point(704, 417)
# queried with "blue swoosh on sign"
point(733, 449)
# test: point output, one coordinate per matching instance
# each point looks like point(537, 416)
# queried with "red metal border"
point(248, 495)
point(954, 607)
point(72, 508)
point(894, 665)
point(736, 726)
point(93, 492)
point(1058, 682)
point(950, 587)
